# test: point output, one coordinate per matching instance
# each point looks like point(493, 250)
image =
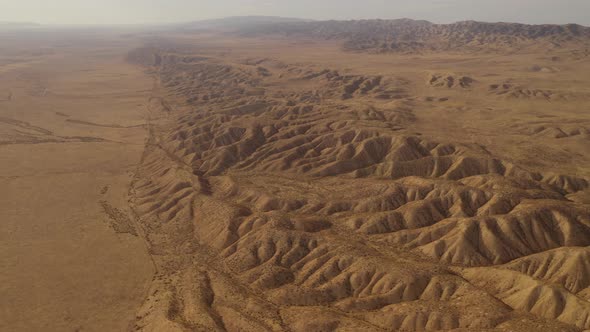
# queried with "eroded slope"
point(279, 196)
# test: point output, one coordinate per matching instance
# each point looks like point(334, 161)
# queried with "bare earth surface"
point(71, 258)
point(305, 180)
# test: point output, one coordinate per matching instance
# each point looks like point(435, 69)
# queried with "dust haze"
point(282, 166)
point(84, 12)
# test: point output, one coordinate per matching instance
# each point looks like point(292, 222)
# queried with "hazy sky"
point(156, 11)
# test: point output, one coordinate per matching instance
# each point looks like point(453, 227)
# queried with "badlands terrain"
point(282, 175)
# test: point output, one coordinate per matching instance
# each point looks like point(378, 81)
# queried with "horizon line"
point(164, 23)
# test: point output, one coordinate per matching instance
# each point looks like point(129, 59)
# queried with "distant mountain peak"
point(413, 35)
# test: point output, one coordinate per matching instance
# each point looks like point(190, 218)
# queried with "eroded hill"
point(305, 192)
point(406, 35)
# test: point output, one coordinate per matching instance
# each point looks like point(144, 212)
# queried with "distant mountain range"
point(239, 22)
point(405, 34)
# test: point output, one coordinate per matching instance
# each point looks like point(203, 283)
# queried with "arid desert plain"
point(295, 176)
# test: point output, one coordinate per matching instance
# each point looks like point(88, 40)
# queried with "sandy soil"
point(69, 260)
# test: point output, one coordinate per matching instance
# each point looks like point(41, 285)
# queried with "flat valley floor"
point(72, 131)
